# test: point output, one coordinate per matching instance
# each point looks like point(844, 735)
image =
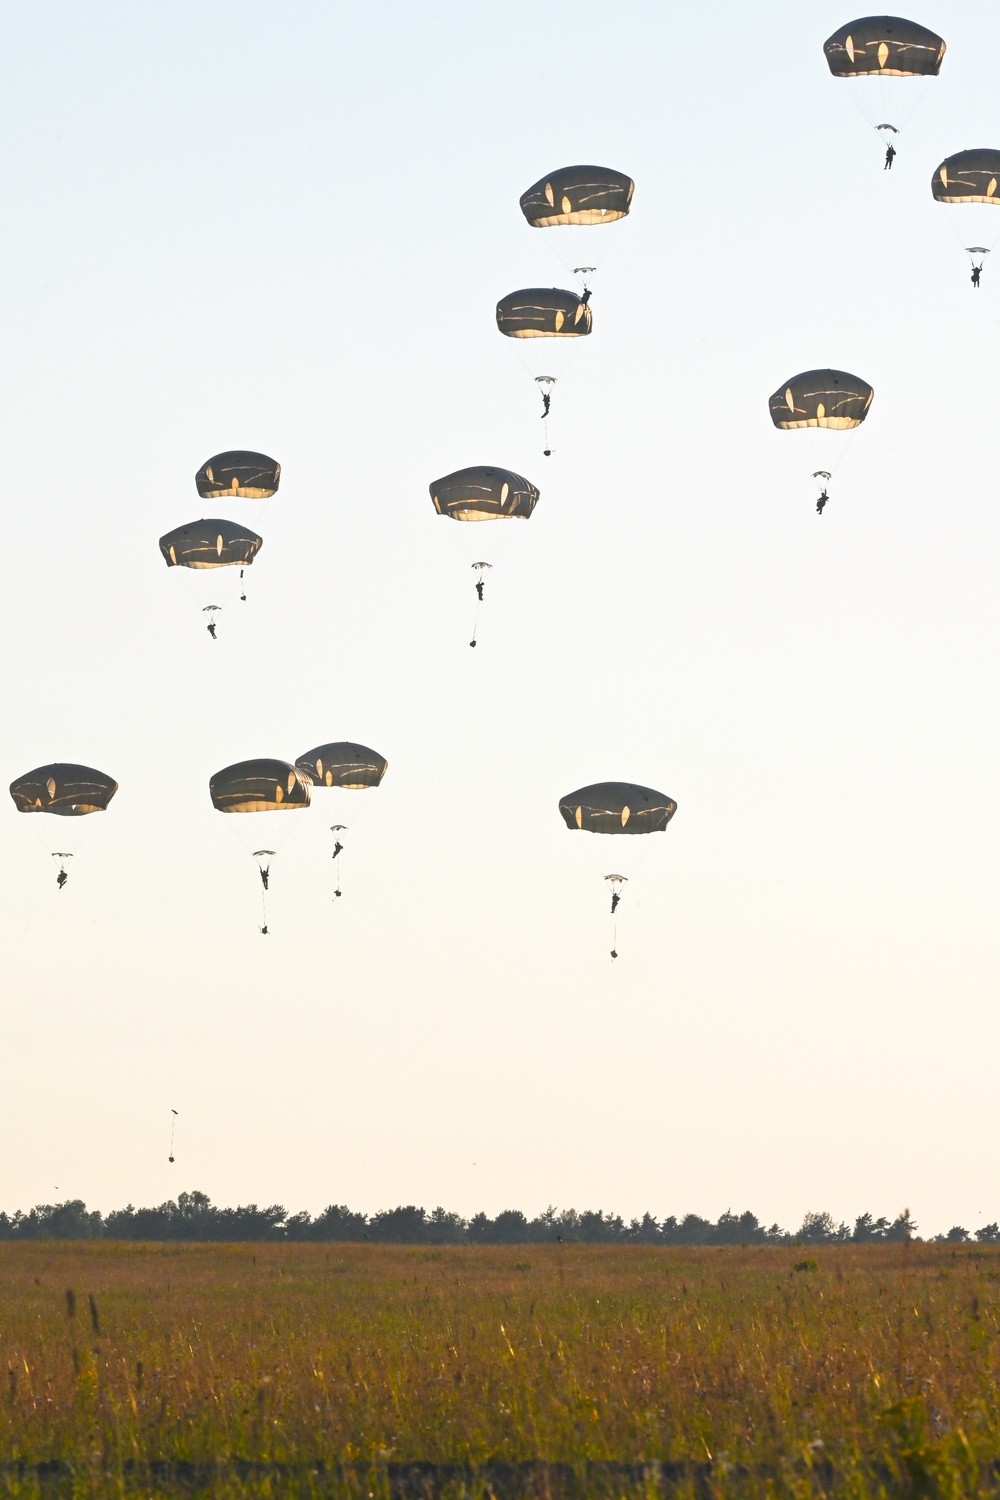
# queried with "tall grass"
point(874, 1365)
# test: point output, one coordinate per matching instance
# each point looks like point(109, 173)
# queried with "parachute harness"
point(264, 871)
point(482, 568)
point(336, 829)
point(616, 882)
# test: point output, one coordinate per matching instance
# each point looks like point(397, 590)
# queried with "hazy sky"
point(285, 228)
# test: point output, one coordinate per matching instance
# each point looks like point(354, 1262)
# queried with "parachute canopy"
point(884, 47)
point(63, 788)
point(253, 786)
point(210, 544)
point(252, 476)
point(821, 398)
point(617, 807)
point(578, 195)
point(483, 493)
point(343, 764)
point(543, 312)
point(968, 177)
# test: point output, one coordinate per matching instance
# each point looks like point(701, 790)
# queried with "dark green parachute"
point(483, 493)
point(884, 47)
point(252, 476)
point(968, 177)
point(578, 195)
point(253, 786)
point(821, 398)
point(210, 544)
point(617, 807)
point(543, 312)
point(343, 764)
point(69, 790)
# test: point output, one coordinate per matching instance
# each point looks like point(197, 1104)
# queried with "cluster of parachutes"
point(884, 60)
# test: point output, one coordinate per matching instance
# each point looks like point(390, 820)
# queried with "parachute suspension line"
point(264, 870)
point(481, 568)
point(337, 829)
point(545, 384)
point(616, 882)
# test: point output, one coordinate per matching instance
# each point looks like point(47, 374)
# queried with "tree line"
point(193, 1216)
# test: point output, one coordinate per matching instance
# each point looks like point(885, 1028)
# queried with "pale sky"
point(285, 228)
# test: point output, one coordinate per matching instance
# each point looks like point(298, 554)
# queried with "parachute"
point(968, 183)
point(577, 195)
point(207, 545)
point(66, 790)
point(544, 313)
point(578, 202)
point(617, 808)
point(484, 493)
point(343, 767)
point(826, 404)
point(889, 61)
point(255, 787)
point(251, 476)
point(210, 544)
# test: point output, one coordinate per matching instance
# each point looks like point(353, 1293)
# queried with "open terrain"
point(133, 1368)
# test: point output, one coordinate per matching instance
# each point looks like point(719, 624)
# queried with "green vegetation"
point(322, 1369)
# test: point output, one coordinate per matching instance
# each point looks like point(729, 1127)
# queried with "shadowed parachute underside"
point(821, 398)
point(253, 786)
point(617, 807)
point(884, 47)
point(69, 790)
point(484, 493)
point(210, 544)
point(343, 764)
point(968, 177)
point(252, 476)
point(543, 312)
point(578, 195)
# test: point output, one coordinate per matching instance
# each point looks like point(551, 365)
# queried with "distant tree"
point(694, 1230)
point(399, 1226)
point(644, 1231)
point(594, 1228)
point(866, 1228)
point(776, 1235)
point(738, 1229)
point(58, 1221)
point(337, 1222)
point(817, 1229)
point(956, 1233)
point(989, 1234)
point(508, 1228)
point(444, 1228)
point(902, 1227)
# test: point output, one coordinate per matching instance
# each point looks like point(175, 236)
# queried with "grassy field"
point(330, 1369)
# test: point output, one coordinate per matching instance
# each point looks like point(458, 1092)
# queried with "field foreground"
point(544, 1371)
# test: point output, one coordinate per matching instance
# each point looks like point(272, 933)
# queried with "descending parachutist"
point(265, 875)
point(546, 403)
point(976, 271)
point(61, 878)
point(210, 627)
point(338, 846)
point(824, 497)
point(263, 930)
point(614, 953)
point(890, 152)
point(616, 896)
point(337, 892)
point(173, 1127)
point(480, 585)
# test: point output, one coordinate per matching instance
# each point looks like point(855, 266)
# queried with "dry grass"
point(882, 1361)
